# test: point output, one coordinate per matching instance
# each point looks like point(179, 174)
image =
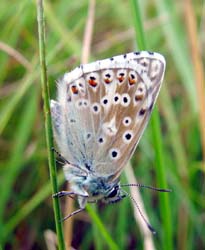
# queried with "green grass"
point(169, 154)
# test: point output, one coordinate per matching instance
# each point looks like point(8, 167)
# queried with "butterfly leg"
point(67, 193)
point(73, 213)
point(63, 193)
point(60, 162)
point(60, 156)
point(54, 150)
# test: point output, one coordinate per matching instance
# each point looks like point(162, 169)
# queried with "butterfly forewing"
point(103, 109)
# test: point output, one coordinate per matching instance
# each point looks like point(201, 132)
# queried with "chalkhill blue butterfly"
point(101, 111)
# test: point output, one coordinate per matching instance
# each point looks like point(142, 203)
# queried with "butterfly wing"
point(103, 109)
point(129, 87)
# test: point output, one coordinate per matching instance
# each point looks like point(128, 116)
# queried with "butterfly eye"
point(113, 192)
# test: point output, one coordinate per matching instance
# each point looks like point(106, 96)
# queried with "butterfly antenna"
point(148, 187)
point(140, 212)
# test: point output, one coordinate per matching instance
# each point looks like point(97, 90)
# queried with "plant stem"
point(48, 125)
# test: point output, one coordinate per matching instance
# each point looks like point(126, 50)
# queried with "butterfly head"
point(89, 187)
point(114, 195)
point(104, 189)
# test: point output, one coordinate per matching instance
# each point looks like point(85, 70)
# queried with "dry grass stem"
point(16, 55)
point(147, 235)
point(88, 32)
point(191, 26)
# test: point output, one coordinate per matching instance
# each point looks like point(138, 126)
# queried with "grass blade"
point(48, 125)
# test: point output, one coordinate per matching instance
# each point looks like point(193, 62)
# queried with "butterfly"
point(101, 111)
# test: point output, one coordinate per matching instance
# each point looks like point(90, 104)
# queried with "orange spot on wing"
point(107, 80)
point(139, 97)
point(92, 82)
point(121, 78)
point(132, 81)
point(74, 89)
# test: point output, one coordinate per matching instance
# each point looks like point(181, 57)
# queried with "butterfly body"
point(100, 114)
point(91, 188)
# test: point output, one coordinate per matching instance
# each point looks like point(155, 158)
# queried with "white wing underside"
point(102, 110)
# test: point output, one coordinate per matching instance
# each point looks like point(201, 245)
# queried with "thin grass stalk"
point(16, 55)
point(88, 32)
point(161, 180)
point(157, 139)
point(48, 125)
point(148, 236)
point(191, 26)
point(109, 241)
point(97, 241)
point(122, 226)
point(138, 26)
point(190, 22)
point(68, 224)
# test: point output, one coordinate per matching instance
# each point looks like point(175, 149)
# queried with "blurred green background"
point(172, 28)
